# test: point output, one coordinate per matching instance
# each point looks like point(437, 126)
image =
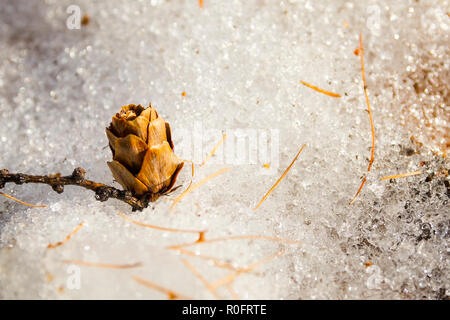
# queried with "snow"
point(240, 64)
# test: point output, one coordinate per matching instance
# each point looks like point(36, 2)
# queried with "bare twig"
point(57, 182)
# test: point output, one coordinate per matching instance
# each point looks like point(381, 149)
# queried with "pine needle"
point(103, 265)
point(213, 151)
point(359, 190)
point(402, 175)
point(232, 292)
point(231, 277)
point(201, 237)
point(156, 227)
point(281, 178)
point(67, 238)
point(372, 155)
point(192, 173)
point(201, 278)
point(331, 94)
point(21, 202)
point(214, 260)
point(171, 295)
point(198, 184)
point(241, 237)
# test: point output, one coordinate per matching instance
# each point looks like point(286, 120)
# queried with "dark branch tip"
point(59, 188)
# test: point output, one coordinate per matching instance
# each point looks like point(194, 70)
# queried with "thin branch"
point(57, 182)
